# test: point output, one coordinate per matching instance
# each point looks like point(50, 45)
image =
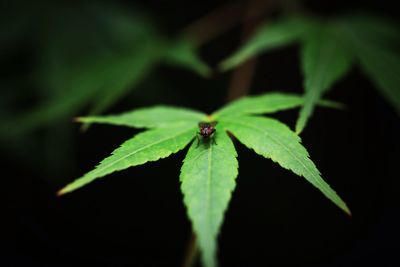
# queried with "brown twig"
point(242, 76)
point(240, 81)
point(216, 22)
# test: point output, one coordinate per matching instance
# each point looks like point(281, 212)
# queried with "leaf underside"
point(207, 181)
point(274, 140)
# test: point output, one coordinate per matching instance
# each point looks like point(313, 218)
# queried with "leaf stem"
point(223, 19)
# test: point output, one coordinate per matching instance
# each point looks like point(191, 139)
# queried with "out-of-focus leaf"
point(208, 179)
point(151, 145)
point(269, 36)
point(325, 60)
point(129, 72)
point(373, 43)
point(94, 55)
point(19, 124)
point(136, 47)
point(83, 53)
point(158, 116)
point(370, 28)
point(178, 53)
point(267, 103)
point(274, 140)
point(383, 68)
point(183, 54)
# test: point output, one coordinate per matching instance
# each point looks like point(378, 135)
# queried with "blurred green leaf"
point(325, 60)
point(383, 68)
point(373, 41)
point(268, 36)
point(274, 140)
point(151, 117)
point(382, 31)
point(182, 53)
point(93, 55)
point(125, 76)
point(208, 179)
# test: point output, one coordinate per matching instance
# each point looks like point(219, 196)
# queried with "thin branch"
point(242, 76)
point(216, 22)
point(240, 82)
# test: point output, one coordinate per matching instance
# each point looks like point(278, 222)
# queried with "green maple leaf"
point(328, 49)
point(210, 167)
point(273, 139)
point(208, 179)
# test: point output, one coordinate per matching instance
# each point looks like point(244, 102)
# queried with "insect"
point(207, 129)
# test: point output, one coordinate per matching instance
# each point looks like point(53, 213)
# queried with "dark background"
point(136, 217)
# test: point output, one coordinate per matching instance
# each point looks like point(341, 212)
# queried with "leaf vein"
point(140, 149)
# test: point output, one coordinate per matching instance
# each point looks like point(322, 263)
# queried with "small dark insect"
point(207, 129)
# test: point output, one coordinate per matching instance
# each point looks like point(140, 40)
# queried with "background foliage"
point(115, 223)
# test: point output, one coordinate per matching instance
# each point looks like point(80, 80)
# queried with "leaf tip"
point(300, 123)
point(65, 190)
point(77, 119)
point(332, 104)
point(61, 192)
point(85, 126)
point(223, 66)
point(339, 106)
point(298, 129)
point(346, 209)
point(206, 72)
